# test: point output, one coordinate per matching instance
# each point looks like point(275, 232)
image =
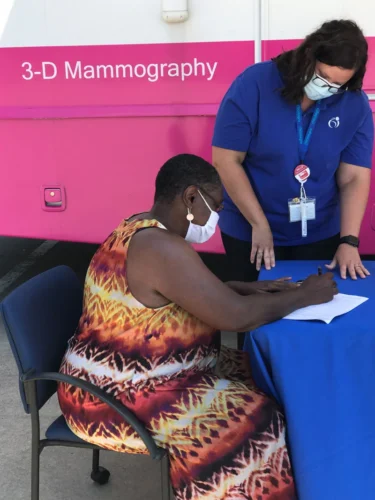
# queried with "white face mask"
point(201, 234)
point(318, 88)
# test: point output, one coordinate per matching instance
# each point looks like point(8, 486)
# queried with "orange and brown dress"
point(225, 439)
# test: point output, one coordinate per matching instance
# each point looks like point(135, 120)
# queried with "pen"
point(320, 273)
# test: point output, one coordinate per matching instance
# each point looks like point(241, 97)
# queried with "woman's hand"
point(262, 247)
point(319, 289)
point(347, 258)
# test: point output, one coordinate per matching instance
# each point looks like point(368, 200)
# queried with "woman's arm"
point(229, 166)
point(228, 163)
point(235, 124)
point(166, 265)
point(353, 179)
point(249, 288)
point(354, 186)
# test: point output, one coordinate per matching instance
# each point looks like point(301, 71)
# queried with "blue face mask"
point(318, 88)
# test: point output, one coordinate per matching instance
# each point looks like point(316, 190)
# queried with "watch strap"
point(350, 240)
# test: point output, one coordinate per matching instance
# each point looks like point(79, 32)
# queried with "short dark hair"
point(182, 171)
point(336, 43)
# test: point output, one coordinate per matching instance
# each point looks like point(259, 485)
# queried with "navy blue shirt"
point(255, 118)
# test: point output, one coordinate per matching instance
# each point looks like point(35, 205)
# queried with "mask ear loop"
point(204, 199)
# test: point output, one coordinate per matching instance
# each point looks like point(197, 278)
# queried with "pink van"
point(95, 96)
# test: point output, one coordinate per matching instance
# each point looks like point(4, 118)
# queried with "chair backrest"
point(40, 316)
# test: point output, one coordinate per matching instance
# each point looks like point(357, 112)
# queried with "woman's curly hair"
point(336, 43)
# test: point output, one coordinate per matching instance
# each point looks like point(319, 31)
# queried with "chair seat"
point(59, 431)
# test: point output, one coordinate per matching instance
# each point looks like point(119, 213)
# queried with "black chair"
point(39, 317)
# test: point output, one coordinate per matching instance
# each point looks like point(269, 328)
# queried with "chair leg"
point(31, 396)
point(95, 461)
point(165, 483)
point(99, 475)
point(35, 468)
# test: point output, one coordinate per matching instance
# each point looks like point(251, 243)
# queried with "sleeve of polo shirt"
point(359, 150)
point(238, 114)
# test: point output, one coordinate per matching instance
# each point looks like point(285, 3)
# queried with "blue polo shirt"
point(255, 118)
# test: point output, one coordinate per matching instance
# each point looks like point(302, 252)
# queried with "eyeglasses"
point(332, 88)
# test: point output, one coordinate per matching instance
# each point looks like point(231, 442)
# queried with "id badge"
point(295, 209)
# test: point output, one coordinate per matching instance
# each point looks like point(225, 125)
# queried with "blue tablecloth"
point(323, 376)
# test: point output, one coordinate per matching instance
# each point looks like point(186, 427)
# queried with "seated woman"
point(149, 336)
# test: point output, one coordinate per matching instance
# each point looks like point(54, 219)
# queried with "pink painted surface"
point(368, 226)
point(119, 111)
point(181, 73)
point(108, 168)
point(107, 160)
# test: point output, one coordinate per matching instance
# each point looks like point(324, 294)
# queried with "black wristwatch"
point(353, 241)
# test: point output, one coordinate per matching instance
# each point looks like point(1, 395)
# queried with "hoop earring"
point(190, 216)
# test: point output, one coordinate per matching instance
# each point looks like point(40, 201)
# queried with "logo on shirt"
point(334, 122)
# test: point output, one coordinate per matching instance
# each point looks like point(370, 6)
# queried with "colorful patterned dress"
point(225, 439)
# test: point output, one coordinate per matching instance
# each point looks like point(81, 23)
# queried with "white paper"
point(340, 305)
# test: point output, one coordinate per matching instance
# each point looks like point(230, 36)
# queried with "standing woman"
point(293, 144)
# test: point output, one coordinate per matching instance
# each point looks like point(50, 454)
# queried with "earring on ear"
point(190, 216)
